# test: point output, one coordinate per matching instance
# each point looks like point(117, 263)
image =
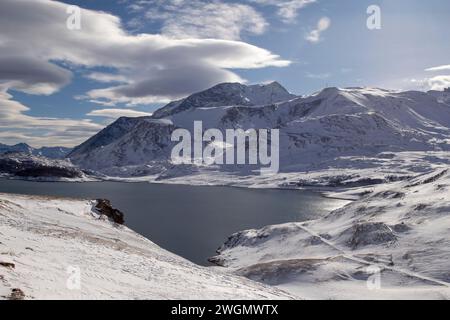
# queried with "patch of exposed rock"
point(104, 207)
point(368, 233)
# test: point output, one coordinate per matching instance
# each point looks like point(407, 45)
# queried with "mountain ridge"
point(228, 94)
point(48, 152)
point(331, 123)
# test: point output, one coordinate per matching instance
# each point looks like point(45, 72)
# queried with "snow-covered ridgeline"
point(331, 124)
point(359, 130)
point(48, 152)
point(400, 229)
point(44, 242)
point(229, 94)
point(38, 168)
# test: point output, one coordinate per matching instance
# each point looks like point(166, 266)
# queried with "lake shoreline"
point(191, 221)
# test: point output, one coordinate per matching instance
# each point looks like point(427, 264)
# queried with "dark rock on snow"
point(104, 207)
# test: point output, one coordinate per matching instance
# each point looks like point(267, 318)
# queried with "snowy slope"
point(400, 229)
point(333, 123)
point(132, 142)
point(52, 152)
point(41, 238)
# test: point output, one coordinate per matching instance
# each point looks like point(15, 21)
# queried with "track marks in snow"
point(348, 255)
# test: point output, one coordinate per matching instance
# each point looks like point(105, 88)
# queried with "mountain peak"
point(335, 91)
point(23, 148)
point(22, 145)
point(274, 84)
point(229, 94)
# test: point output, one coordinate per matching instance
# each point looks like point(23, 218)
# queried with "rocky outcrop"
point(17, 294)
point(9, 265)
point(105, 208)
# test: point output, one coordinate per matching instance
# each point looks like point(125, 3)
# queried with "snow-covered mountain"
point(228, 94)
point(20, 147)
point(314, 130)
point(129, 142)
point(48, 152)
point(52, 152)
point(392, 243)
point(53, 248)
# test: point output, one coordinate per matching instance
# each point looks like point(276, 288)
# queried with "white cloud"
point(31, 75)
point(117, 113)
point(16, 126)
point(152, 59)
point(439, 82)
point(323, 24)
point(205, 19)
point(106, 77)
point(36, 45)
point(287, 9)
point(439, 68)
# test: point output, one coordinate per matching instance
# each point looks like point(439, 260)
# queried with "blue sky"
point(55, 107)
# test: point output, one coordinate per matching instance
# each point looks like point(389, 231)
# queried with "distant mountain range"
point(315, 130)
point(331, 123)
point(48, 152)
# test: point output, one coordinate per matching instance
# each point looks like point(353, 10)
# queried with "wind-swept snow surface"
point(392, 243)
point(46, 242)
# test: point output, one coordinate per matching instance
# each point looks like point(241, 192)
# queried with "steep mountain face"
point(313, 130)
point(48, 152)
point(107, 135)
point(127, 142)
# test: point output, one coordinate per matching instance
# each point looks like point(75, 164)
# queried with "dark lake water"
point(190, 221)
